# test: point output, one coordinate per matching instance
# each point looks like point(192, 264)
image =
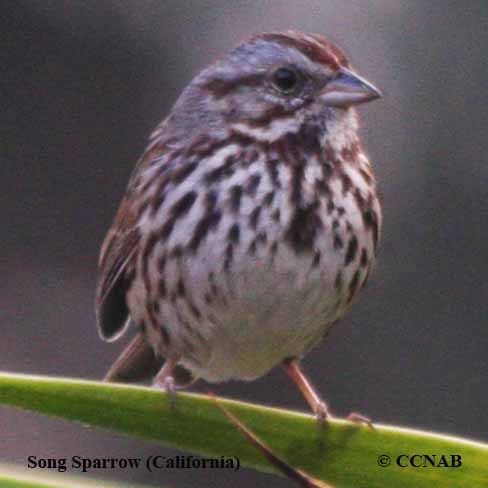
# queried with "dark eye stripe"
point(220, 87)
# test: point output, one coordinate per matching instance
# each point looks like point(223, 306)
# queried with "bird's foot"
point(321, 412)
point(167, 384)
point(165, 380)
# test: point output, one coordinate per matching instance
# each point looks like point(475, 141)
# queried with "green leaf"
point(12, 476)
point(341, 453)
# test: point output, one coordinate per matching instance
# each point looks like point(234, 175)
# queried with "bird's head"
point(274, 82)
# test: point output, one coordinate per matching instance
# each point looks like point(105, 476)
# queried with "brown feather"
point(118, 252)
point(118, 249)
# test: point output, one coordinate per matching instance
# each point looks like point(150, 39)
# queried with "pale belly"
point(267, 316)
point(243, 322)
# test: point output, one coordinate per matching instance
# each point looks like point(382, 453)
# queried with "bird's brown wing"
point(118, 249)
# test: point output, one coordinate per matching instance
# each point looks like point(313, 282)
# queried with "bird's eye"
point(285, 79)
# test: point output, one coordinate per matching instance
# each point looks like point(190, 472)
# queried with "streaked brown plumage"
point(250, 222)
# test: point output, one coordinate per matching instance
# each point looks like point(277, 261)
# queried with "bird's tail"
point(139, 363)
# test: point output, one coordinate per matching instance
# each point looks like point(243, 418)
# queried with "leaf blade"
point(342, 454)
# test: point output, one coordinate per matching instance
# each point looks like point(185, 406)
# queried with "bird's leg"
point(164, 379)
point(318, 406)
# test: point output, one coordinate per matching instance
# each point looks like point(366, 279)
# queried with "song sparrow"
point(249, 224)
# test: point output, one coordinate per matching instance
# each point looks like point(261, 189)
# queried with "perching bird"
point(249, 224)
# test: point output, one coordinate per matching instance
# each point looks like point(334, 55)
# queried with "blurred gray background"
point(83, 84)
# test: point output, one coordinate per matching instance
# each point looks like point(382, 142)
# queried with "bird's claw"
point(360, 419)
point(168, 385)
point(321, 412)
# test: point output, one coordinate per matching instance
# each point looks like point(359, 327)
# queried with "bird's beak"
point(347, 89)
